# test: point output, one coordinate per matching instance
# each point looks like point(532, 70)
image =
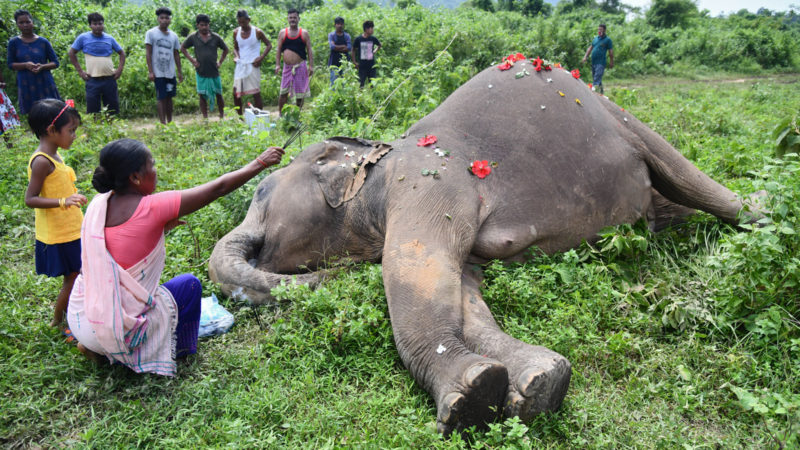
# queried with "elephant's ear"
point(334, 171)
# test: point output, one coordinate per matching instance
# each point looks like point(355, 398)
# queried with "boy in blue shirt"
point(100, 75)
point(600, 44)
point(339, 42)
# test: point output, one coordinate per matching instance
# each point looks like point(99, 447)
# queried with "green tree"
point(486, 5)
point(671, 13)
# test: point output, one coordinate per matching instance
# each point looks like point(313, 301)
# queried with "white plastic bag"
point(214, 318)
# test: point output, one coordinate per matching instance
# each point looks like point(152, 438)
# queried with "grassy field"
point(688, 338)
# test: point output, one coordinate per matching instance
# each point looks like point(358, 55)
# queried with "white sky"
point(730, 6)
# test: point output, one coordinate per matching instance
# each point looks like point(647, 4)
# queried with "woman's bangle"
point(62, 203)
point(262, 162)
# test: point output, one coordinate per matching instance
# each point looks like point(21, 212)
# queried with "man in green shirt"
point(600, 44)
point(206, 44)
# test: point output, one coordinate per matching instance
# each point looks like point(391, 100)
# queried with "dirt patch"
point(150, 123)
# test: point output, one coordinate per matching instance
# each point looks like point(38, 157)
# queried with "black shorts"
point(166, 88)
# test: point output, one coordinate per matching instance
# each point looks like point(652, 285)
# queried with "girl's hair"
point(21, 12)
point(50, 111)
point(118, 160)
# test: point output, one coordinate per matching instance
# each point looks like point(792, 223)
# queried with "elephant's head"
point(301, 216)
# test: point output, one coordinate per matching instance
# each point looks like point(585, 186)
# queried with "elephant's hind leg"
point(538, 377)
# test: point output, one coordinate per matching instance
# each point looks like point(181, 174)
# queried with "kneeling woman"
point(117, 307)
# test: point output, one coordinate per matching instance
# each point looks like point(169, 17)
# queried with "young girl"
point(52, 193)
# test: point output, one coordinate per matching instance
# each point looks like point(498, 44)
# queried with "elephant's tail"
point(230, 265)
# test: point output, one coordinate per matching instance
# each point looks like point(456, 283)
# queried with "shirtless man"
point(294, 45)
point(247, 56)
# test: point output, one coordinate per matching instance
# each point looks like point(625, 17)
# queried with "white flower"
point(441, 349)
point(549, 80)
point(543, 107)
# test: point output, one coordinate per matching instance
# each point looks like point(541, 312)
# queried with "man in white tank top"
point(248, 57)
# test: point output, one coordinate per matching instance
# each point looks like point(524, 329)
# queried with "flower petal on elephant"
point(426, 141)
point(480, 168)
point(576, 73)
point(560, 93)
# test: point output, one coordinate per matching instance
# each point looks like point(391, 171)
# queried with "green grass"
point(686, 338)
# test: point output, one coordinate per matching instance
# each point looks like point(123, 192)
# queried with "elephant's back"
point(565, 167)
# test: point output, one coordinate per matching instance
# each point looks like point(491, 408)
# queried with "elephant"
point(564, 163)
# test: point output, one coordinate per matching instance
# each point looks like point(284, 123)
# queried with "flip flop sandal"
point(68, 336)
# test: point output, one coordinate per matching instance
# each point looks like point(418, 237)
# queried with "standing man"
point(206, 43)
point(294, 46)
point(161, 51)
point(600, 44)
point(100, 75)
point(364, 49)
point(248, 57)
point(339, 42)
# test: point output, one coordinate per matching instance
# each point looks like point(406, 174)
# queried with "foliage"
point(671, 13)
point(684, 338)
point(412, 35)
point(787, 136)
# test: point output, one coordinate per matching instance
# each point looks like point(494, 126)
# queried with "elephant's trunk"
point(230, 266)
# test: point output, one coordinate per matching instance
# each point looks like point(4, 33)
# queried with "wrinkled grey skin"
point(563, 173)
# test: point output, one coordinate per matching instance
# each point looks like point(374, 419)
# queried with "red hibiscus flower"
point(537, 64)
point(515, 57)
point(576, 73)
point(426, 141)
point(505, 66)
point(547, 68)
point(480, 168)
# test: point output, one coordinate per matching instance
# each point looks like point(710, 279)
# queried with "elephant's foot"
point(538, 381)
point(476, 400)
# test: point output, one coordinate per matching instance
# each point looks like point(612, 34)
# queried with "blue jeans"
point(597, 74)
point(336, 72)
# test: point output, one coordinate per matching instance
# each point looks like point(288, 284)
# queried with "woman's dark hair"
point(164, 10)
point(118, 160)
point(43, 113)
point(368, 24)
point(95, 17)
point(21, 12)
point(202, 18)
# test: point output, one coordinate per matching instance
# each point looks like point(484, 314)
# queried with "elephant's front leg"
point(538, 377)
point(423, 287)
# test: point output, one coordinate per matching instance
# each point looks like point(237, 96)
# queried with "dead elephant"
point(568, 163)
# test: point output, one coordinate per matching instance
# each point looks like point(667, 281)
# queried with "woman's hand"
point(271, 156)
